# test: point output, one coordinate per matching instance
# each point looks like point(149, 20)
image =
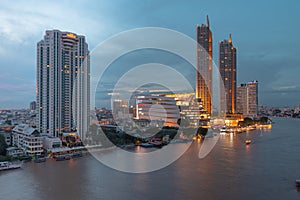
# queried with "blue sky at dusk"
point(266, 34)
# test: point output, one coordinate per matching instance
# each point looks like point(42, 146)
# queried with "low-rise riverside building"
point(50, 143)
point(28, 139)
point(14, 151)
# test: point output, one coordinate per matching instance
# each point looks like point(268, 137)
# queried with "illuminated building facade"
point(204, 66)
point(63, 84)
point(191, 110)
point(157, 108)
point(247, 99)
point(227, 68)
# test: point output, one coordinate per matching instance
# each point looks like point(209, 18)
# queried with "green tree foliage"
point(264, 120)
point(8, 122)
point(3, 145)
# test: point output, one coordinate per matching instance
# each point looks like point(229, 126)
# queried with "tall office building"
point(227, 68)
point(204, 66)
point(247, 99)
point(63, 83)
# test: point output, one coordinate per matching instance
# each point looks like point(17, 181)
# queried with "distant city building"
point(63, 84)
point(28, 139)
point(204, 66)
point(8, 119)
point(157, 108)
point(32, 105)
point(120, 109)
point(227, 68)
point(247, 99)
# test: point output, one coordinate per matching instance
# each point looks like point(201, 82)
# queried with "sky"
point(265, 34)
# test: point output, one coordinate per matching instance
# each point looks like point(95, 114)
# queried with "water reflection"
point(266, 169)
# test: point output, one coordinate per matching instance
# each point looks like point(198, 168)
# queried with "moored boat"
point(10, 165)
point(76, 154)
point(39, 159)
point(62, 157)
point(26, 159)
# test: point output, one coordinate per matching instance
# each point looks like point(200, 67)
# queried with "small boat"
point(59, 158)
point(146, 145)
point(62, 157)
point(77, 154)
point(26, 159)
point(39, 159)
point(67, 157)
point(297, 183)
point(248, 142)
point(10, 165)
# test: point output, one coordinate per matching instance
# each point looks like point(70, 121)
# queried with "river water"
point(266, 169)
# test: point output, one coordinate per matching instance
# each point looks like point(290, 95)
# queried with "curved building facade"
point(157, 108)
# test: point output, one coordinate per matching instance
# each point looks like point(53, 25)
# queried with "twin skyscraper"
point(227, 70)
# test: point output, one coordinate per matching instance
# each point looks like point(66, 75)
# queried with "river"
point(266, 169)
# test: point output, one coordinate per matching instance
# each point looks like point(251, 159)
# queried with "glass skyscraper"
point(204, 66)
point(227, 68)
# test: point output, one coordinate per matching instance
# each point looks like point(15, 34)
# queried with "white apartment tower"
point(63, 84)
point(247, 99)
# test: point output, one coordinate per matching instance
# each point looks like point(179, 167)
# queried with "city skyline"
point(22, 23)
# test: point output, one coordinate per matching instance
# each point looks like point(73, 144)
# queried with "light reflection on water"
point(265, 169)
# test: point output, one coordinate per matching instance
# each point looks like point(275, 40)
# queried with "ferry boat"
point(10, 165)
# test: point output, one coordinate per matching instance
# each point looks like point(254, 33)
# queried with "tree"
point(3, 145)
point(248, 121)
point(264, 120)
point(8, 122)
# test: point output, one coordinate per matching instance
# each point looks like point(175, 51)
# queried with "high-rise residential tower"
point(63, 83)
point(227, 68)
point(204, 66)
point(32, 105)
point(247, 99)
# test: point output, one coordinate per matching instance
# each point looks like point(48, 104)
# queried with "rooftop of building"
point(26, 130)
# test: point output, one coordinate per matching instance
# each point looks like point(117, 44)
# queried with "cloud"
point(286, 88)
point(22, 25)
point(23, 20)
